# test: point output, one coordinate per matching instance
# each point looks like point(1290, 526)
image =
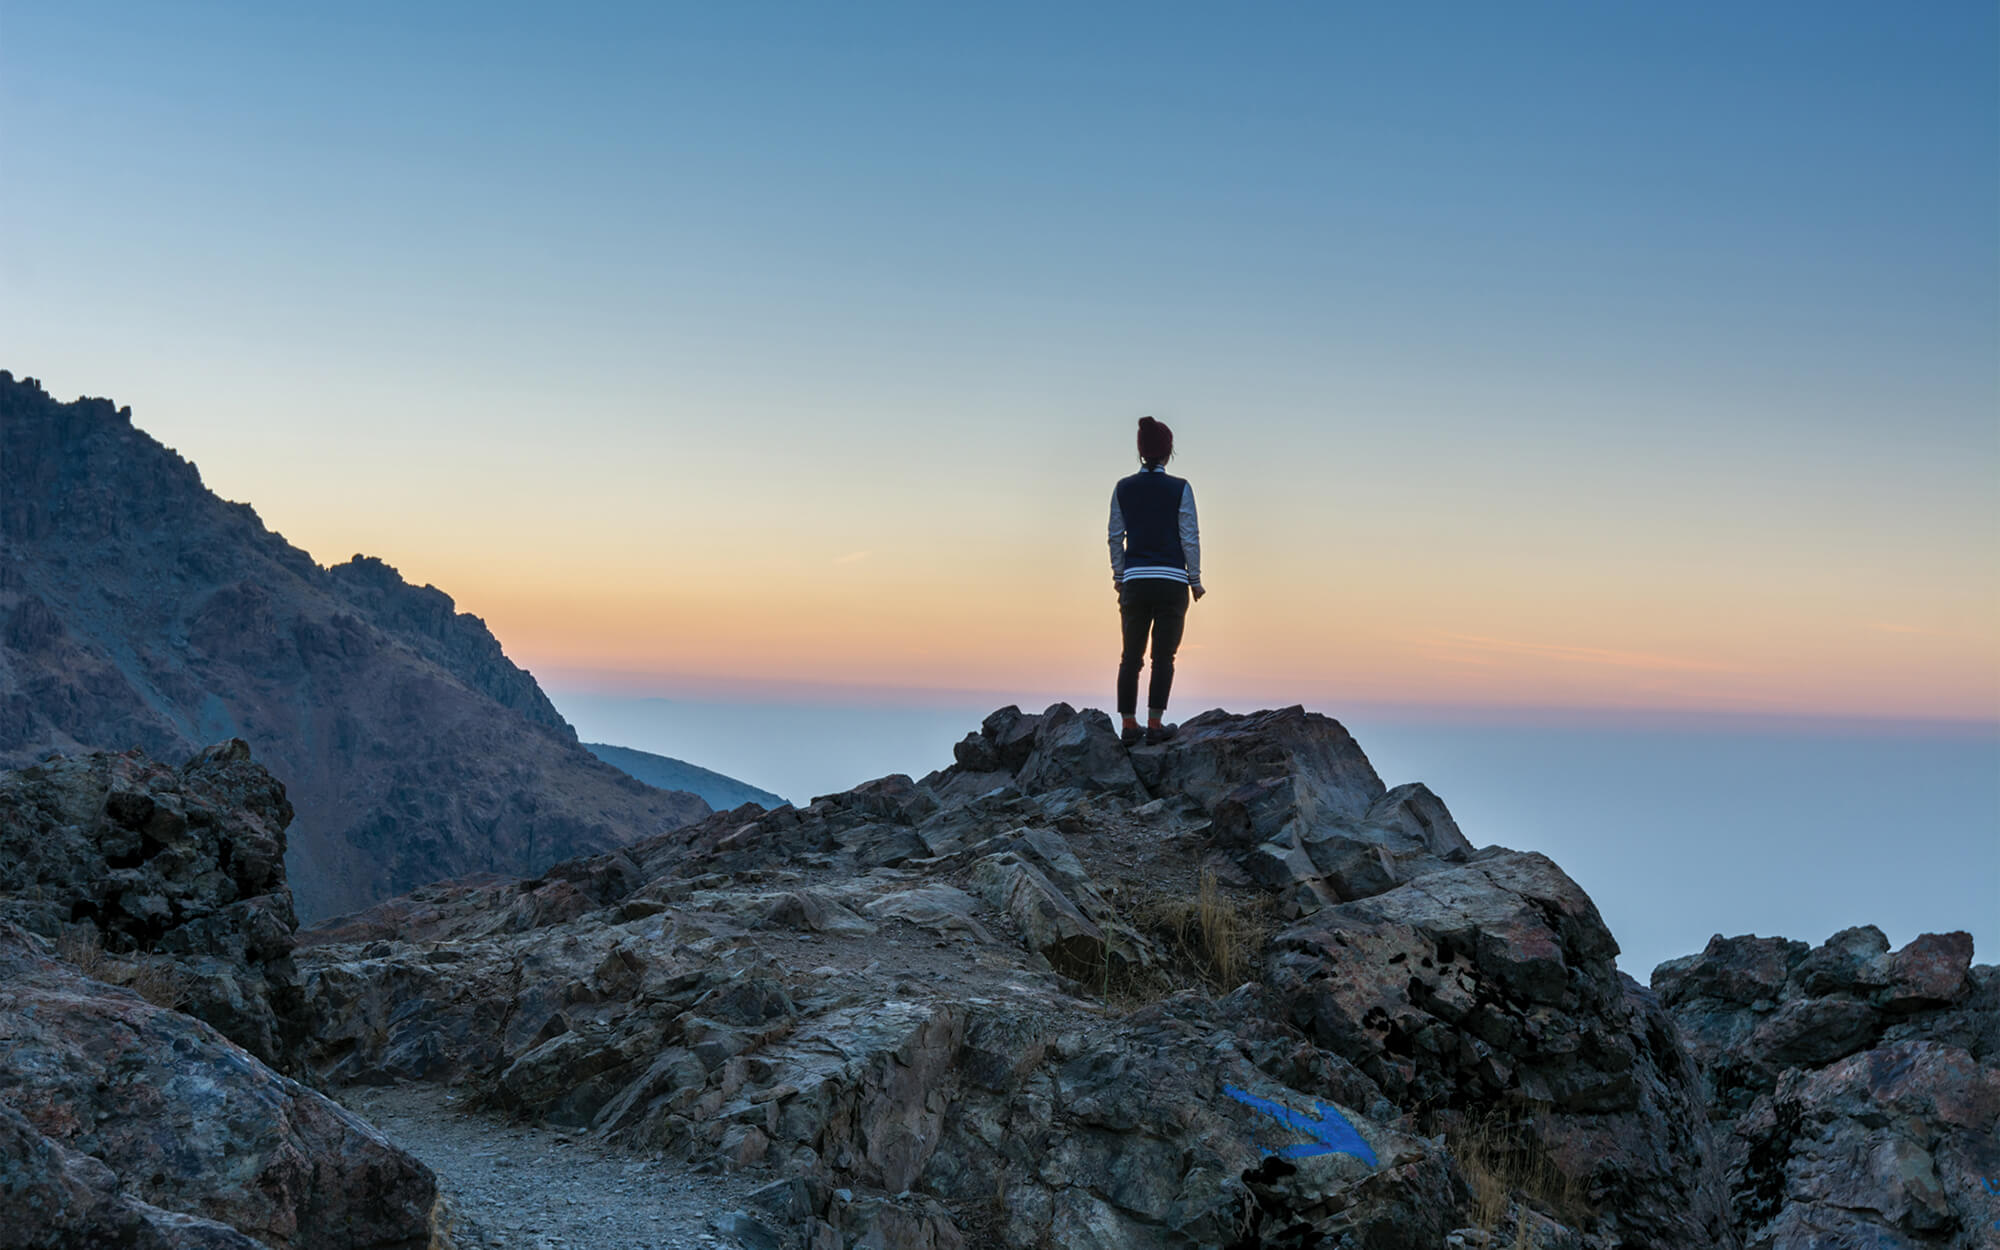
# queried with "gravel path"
point(510, 1186)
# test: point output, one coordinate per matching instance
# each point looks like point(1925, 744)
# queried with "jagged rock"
point(1049, 923)
point(1811, 1032)
point(1884, 1147)
point(1858, 1091)
point(976, 753)
point(1081, 749)
point(878, 846)
point(813, 912)
point(893, 798)
point(1215, 753)
point(176, 877)
point(1851, 960)
point(913, 1223)
point(1057, 748)
point(1254, 813)
point(186, 1121)
point(137, 609)
point(1752, 1007)
point(1352, 867)
point(1420, 816)
point(1932, 971)
point(1492, 985)
point(943, 908)
point(1012, 734)
point(1742, 971)
point(1291, 794)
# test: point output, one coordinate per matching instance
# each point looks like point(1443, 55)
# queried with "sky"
point(1634, 361)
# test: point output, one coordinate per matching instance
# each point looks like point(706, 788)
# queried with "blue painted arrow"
point(1332, 1134)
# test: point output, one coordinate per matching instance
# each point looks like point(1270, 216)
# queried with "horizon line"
point(566, 682)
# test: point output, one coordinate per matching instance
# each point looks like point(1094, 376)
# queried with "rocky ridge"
point(139, 610)
point(1230, 991)
point(1024, 1001)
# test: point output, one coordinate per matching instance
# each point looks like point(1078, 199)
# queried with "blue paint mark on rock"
point(1332, 1134)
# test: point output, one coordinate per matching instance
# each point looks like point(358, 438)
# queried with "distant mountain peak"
point(667, 773)
point(139, 609)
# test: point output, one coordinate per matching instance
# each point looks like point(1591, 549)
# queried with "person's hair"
point(1156, 442)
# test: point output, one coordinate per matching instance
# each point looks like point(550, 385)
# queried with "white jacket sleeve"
point(1117, 540)
point(1190, 536)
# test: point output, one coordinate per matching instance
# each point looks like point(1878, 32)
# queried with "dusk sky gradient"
point(1528, 355)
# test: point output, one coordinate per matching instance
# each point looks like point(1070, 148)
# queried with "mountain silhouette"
point(138, 609)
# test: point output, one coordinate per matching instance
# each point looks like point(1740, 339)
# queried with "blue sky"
point(1614, 358)
point(1536, 354)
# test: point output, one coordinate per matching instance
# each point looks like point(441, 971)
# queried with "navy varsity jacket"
point(1153, 528)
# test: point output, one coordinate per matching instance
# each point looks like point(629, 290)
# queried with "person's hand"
point(1198, 592)
point(1117, 587)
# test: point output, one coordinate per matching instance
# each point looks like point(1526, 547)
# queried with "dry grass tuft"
point(81, 948)
point(1214, 936)
point(155, 978)
point(161, 982)
point(1507, 1169)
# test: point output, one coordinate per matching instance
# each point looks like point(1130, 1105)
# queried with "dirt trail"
point(509, 1186)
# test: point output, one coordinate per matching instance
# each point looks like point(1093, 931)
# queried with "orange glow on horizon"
point(859, 630)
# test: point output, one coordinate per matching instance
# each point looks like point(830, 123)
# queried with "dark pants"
point(1157, 606)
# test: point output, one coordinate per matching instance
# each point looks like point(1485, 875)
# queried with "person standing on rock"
point(1155, 567)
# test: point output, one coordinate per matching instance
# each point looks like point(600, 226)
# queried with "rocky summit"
point(1229, 991)
point(138, 610)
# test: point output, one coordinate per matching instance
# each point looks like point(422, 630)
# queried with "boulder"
point(57, 1199)
point(1420, 816)
point(941, 908)
point(1012, 735)
point(1932, 971)
point(1049, 923)
point(186, 1121)
point(1216, 753)
point(1081, 749)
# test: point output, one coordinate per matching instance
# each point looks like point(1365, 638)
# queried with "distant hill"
point(137, 609)
point(716, 790)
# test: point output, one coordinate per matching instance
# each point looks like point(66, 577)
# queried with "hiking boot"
point(1130, 735)
point(1156, 734)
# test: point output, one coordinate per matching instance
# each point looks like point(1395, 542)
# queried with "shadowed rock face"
point(139, 610)
point(961, 1010)
point(1857, 1090)
point(129, 1116)
point(170, 876)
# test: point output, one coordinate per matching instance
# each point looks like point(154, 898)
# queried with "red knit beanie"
point(1156, 441)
